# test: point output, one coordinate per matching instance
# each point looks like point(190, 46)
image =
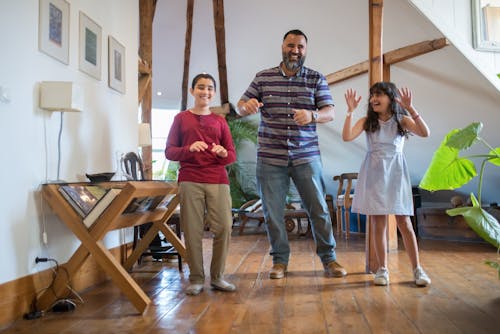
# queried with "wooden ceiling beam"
point(389, 58)
point(414, 50)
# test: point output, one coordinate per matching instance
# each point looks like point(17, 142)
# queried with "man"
point(291, 99)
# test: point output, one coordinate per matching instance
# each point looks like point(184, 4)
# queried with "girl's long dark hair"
point(389, 89)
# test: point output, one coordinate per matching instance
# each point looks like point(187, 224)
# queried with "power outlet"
point(41, 259)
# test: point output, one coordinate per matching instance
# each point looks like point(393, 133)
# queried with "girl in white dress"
point(384, 185)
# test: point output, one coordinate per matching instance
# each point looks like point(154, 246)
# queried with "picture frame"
point(486, 25)
point(116, 65)
point(89, 55)
point(53, 29)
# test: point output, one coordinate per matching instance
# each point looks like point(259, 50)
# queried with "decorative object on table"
point(89, 55)
point(60, 96)
point(53, 29)
point(116, 65)
point(100, 177)
point(448, 170)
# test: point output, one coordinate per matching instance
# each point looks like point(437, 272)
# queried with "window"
point(161, 120)
point(486, 25)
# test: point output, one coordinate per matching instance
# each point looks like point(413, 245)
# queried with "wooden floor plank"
point(464, 296)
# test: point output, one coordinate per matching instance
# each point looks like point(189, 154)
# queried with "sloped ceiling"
point(448, 91)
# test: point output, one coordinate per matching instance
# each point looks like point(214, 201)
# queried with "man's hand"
point(249, 107)
point(302, 116)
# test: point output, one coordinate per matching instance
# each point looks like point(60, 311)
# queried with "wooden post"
point(187, 53)
point(220, 40)
point(146, 10)
point(375, 43)
point(376, 72)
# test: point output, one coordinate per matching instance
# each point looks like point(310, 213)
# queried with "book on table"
point(82, 197)
point(100, 206)
point(142, 204)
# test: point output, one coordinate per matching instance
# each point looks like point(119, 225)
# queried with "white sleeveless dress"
point(384, 185)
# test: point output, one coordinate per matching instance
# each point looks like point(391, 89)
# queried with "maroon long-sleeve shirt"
point(206, 166)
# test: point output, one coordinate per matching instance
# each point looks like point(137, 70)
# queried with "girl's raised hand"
point(351, 99)
point(405, 98)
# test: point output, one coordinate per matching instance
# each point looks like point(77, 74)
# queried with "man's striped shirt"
point(281, 141)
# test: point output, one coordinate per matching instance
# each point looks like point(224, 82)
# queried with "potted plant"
point(448, 170)
point(241, 130)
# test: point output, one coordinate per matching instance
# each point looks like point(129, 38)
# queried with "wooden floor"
point(464, 296)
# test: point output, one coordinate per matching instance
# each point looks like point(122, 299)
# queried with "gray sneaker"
point(223, 285)
point(381, 277)
point(421, 278)
point(194, 289)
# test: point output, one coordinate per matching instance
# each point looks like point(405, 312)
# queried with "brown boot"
point(277, 271)
point(334, 269)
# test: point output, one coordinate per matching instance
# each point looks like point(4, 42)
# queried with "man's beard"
point(293, 65)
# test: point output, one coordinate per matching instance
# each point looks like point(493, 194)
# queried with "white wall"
point(449, 90)
point(91, 139)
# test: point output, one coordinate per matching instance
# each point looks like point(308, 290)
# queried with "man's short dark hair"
point(295, 32)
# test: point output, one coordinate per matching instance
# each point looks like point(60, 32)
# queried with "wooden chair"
point(252, 210)
point(133, 167)
point(344, 200)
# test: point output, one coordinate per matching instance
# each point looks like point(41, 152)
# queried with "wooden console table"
point(114, 218)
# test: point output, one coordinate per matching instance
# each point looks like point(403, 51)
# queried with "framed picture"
point(90, 47)
point(116, 65)
point(53, 29)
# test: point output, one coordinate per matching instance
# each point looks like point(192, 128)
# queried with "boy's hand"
point(219, 150)
point(198, 146)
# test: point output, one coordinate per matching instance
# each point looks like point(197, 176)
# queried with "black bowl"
point(100, 177)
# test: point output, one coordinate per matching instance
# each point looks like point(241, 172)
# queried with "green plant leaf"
point(494, 265)
point(241, 130)
point(484, 224)
point(464, 138)
point(447, 170)
point(495, 161)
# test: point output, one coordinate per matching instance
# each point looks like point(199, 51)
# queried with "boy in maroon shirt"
point(202, 143)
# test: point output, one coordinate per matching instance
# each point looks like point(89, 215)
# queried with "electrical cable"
point(59, 146)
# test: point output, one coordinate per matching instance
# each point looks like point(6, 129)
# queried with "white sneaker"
point(421, 278)
point(381, 277)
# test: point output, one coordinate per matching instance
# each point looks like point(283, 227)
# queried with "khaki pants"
point(210, 204)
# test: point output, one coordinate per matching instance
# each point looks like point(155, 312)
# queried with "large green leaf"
point(447, 170)
point(495, 161)
point(484, 224)
point(464, 138)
